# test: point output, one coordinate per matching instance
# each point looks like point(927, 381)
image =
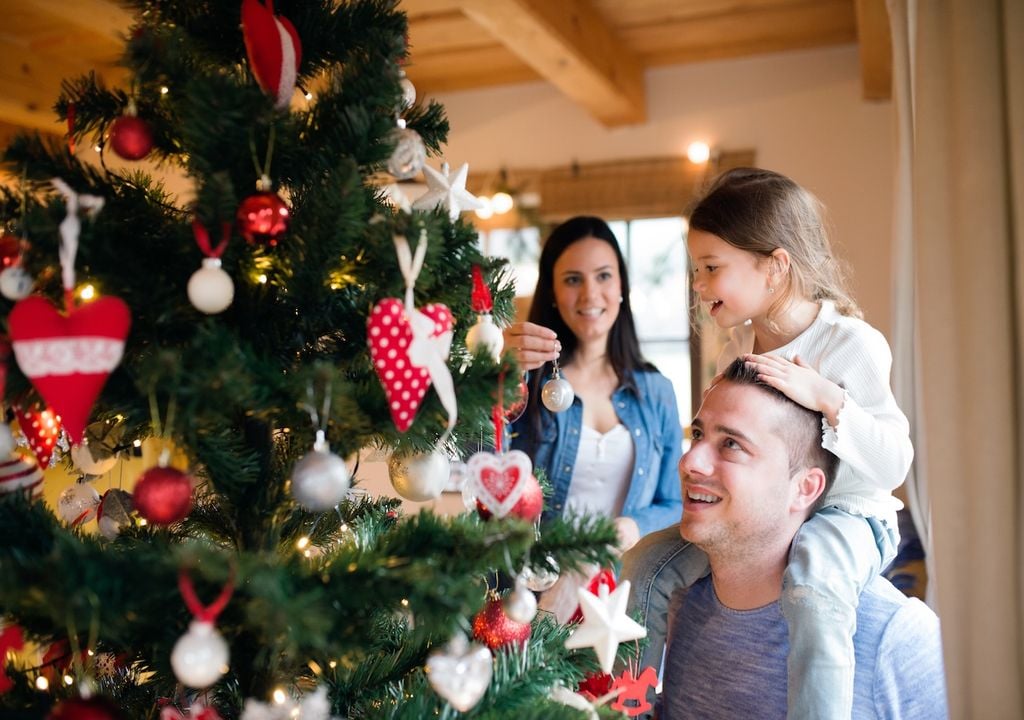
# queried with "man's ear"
point(810, 484)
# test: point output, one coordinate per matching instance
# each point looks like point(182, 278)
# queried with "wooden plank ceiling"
point(593, 51)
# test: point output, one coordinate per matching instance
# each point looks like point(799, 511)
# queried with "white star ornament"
point(605, 624)
point(448, 191)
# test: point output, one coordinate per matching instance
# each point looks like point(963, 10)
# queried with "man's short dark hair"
point(800, 428)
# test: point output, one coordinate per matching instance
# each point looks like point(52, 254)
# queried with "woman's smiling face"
point(588, 289)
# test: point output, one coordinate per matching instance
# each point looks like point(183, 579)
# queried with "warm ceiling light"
point(501, 202)
point(486, 210)
point(698, 152)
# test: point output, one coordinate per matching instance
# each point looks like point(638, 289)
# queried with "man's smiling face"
point(737, 489)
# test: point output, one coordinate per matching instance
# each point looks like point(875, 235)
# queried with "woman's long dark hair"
point(623, 344)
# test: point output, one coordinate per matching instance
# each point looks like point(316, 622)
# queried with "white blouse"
point(600, 478)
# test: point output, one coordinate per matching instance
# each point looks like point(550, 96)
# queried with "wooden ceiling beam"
point(102, 17)
point(572, 47)
point(875, 41)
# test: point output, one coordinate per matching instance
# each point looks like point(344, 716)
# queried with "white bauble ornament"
point(210, 289)
point(557, 394)
point(520, 604)
point(419, 477)
point(6, 440)
point(87, 463)
point(200, 656)
point(461, 672)
point(16, 283)
point(540, 579)
point(78, 503)
point(486, 334)
point(320, 480)
point(409, 155)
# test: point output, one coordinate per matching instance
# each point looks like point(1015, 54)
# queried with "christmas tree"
point(260, 327)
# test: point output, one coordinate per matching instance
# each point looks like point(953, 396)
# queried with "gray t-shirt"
point(730, 665)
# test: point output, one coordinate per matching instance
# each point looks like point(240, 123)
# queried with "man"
point(754, 472)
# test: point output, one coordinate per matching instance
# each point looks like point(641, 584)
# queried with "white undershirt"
point(604, 465)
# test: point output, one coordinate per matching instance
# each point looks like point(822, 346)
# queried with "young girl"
point(763, 267)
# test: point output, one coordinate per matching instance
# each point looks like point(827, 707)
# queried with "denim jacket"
point(646, 406)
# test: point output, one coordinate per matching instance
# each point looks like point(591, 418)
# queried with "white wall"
point(801, 111)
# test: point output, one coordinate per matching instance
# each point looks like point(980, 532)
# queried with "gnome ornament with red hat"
point(68, 355)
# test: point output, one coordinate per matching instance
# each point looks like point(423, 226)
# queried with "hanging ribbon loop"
point(204, 613)
point(70, 228)
point(203, 238)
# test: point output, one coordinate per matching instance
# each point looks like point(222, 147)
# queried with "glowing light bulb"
point(486, 210)
point(279, 696)
point(164, 90)
point(42, 683)
point(87, 292)
point(68, 680)
point(502, 202)
point(698, 152)
point(262, 279)
point(302, 543)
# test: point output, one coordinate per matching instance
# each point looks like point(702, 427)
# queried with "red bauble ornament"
point(515, 411)
point(163, 495)
point(263, 218)
point(131, 138)
point(94, 708)
point(10, 250)
point(529, 506)
point(494, 628)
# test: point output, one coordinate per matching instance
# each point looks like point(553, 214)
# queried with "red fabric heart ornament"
point(41, 427)
point(389, 336)
point(68, 357)
point(500, 480)
point(274, 50)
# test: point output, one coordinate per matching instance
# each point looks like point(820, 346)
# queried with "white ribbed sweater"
point(872, 435)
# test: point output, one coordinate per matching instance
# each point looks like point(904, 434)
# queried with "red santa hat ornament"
point(274, 50)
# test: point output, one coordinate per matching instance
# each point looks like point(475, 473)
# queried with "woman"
point(615, 450)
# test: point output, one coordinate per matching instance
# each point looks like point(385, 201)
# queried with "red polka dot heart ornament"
point(69, 355)
point(390, 336)
point(409, 347)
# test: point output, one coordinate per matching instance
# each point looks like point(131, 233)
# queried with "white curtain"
point(959, 332)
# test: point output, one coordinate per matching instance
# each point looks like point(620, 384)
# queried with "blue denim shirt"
point(647, 408)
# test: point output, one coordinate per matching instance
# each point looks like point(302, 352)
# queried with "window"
point(656, 258)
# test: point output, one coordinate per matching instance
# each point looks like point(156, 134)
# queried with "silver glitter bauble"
point(320, 480)
point(520, 604)
point(409, 155)
point(540, 579)
point(408, 90)
point(419, 477)
point(557, 394)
